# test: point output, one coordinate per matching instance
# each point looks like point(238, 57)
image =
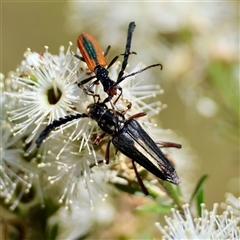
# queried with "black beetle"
point(127, 136)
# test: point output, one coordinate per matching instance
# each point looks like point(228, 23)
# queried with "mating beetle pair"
point(126, 135)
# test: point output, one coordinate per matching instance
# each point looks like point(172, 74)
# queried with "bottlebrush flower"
point(17, 175)
point(208, 226)
point(46, 90)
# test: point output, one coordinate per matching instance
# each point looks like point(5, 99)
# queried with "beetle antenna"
point(55, 124)
point(127, 49)
point(139, 71)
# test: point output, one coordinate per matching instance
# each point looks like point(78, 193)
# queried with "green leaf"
point(198, 193)
point(173, 191)
point(200, 199)
point(155, 208)
point(52, 232)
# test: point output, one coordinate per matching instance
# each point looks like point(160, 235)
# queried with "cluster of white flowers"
point(209, 225)
point(43, 89)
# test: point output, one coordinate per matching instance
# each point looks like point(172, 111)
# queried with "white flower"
point(140, 94)
point(78, 219)
point(12, 172)
point(66, 164)
point(232, 204)
point(17, 175)
point(208, 226)
point(46, 91)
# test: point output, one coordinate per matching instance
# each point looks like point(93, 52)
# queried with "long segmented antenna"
point(55, 124)
point(127, 49)
point(139, 71)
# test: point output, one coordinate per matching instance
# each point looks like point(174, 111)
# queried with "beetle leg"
point(107, 152)
point(168, 144)
point(98, 139)
point(77, 56)
point(116, 58)
point(88, 89)
point(138, 115)
point(107, 51)
point(84, 81)
point(113, 61)
point(89, 92)
point(120, 89)
point(106, 160)
point(128, 108)
point(144, 189)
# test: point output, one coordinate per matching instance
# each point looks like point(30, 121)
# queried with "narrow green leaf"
point(199, 192)
point(52, 232)
point(200, 199)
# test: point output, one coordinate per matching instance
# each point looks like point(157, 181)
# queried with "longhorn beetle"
point(96, 62)
point(129, 137)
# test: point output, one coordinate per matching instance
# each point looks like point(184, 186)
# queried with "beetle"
point(96, 62)
point(127, 136)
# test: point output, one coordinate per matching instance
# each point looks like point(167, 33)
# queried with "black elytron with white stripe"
point(127, 136)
